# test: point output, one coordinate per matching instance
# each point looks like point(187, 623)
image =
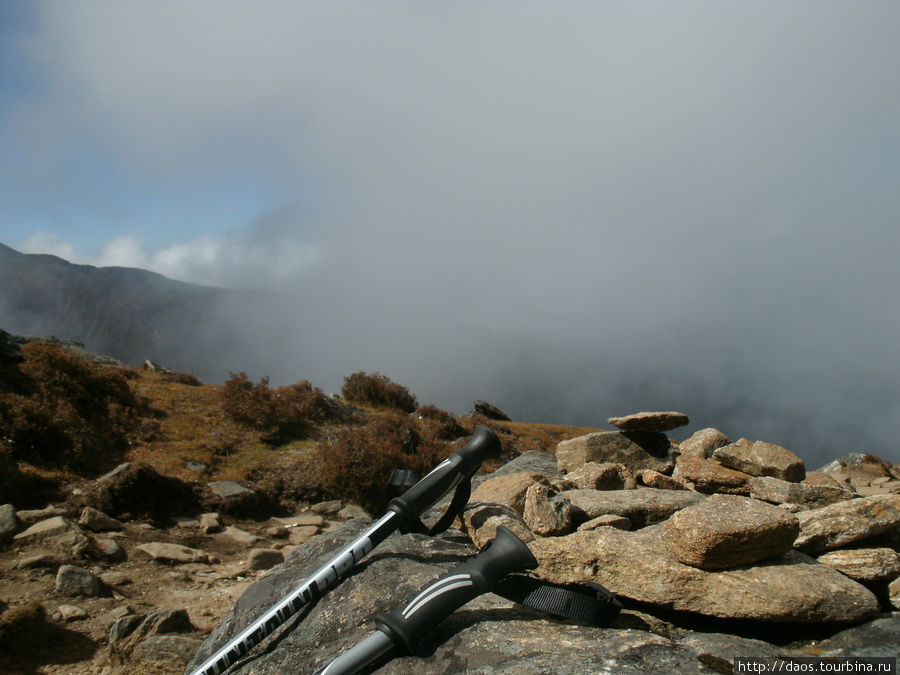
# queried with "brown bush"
point(281, 414)
point(377, 390)
point(439, 423)
point(356, 464)
point(68, 411)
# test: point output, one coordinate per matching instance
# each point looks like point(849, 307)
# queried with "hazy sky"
point(713, 186)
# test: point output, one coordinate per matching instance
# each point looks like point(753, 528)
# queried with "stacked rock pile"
point(735, 530)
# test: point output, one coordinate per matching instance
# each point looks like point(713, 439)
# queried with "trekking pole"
point(505, 553)
point(403, 514)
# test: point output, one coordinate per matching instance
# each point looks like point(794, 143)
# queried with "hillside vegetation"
point(65, 419)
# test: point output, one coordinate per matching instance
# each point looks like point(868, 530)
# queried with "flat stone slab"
point(758, 458)
point(846, 522)
point(650, 421)
point(708, 476)
point(172, 553)
point(638, 565)
point(809, 495)
point(864, 564)
point(51, 527)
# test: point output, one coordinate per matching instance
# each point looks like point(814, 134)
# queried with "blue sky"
point(723, 174)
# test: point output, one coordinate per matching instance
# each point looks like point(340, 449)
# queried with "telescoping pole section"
point(312, 589)
point(403, 513)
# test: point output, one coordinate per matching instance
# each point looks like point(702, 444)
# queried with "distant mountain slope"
point(128, 313)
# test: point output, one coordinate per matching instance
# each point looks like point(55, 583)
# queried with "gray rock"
point(719, 650)
point(32, 516)
point(38, 560)
point(233, 497)
point(638, 450)
point(847, 522)
point(69, 613)
point(864, 564)
point(703, 443)
point(240, 536)
point(9, 523)
point(487, 635)
point(264, 558)
point(71, 580)
point(650, 421)
point(638, 565)
point(894, 593)
point(98, 521)
point(45, 529)
point(329, 508)
point(128, 633)
point(164, 653)
point(642, 506)
point(172, 553)
point(808, 495)
point(761, 459)
point(878, 638)
point(531, 461)
point(490, 411)
point(544, 517)
point(210, 522)
point(726, 531)
point(109, 549)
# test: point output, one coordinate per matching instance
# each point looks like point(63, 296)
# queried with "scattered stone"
point(38, 560)
point(703, 443)
point(650, 421)
point(726, 531)
point(196, 467)
point(302, 534)
point(303, 519)
point(605, 476)
point(233, 497)
point(9, 523)
point(490, 411)
point(163, 552)
point(352, 511)
point(820, 478)
point(69, 613)
point(808, 495)
point(846, 522)
point(638, 450)
point(164, 653)
point(761, 459)
point(642, 506)
point(114, 615)
point(186, 522)
point(108, 549)
point(708, 476)
point(509, 489)
point(209, 523)
point(264, 558)
point(127, 635)
point(71, 580)
point(240, 536)
point(638, 565)
point(661, 481)
point(98, 521)
point(31, 516)
point(864, 564)
point(609, 520)
point(115, 578)
point(45, 529)
point(894, 591)
point(544, 517)
point(330, 508)
point(480, 522)
point(116, 473)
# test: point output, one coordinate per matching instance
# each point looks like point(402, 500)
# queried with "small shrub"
point(440, 423)
point(377, 390)
point(68, 411)
point(281, 414)
point(357, 463)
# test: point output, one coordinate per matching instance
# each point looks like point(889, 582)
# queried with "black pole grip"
point(444, 477)
point(506, 553)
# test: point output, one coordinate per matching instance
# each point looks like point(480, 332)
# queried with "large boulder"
point(640, 566)
point(638, 450)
